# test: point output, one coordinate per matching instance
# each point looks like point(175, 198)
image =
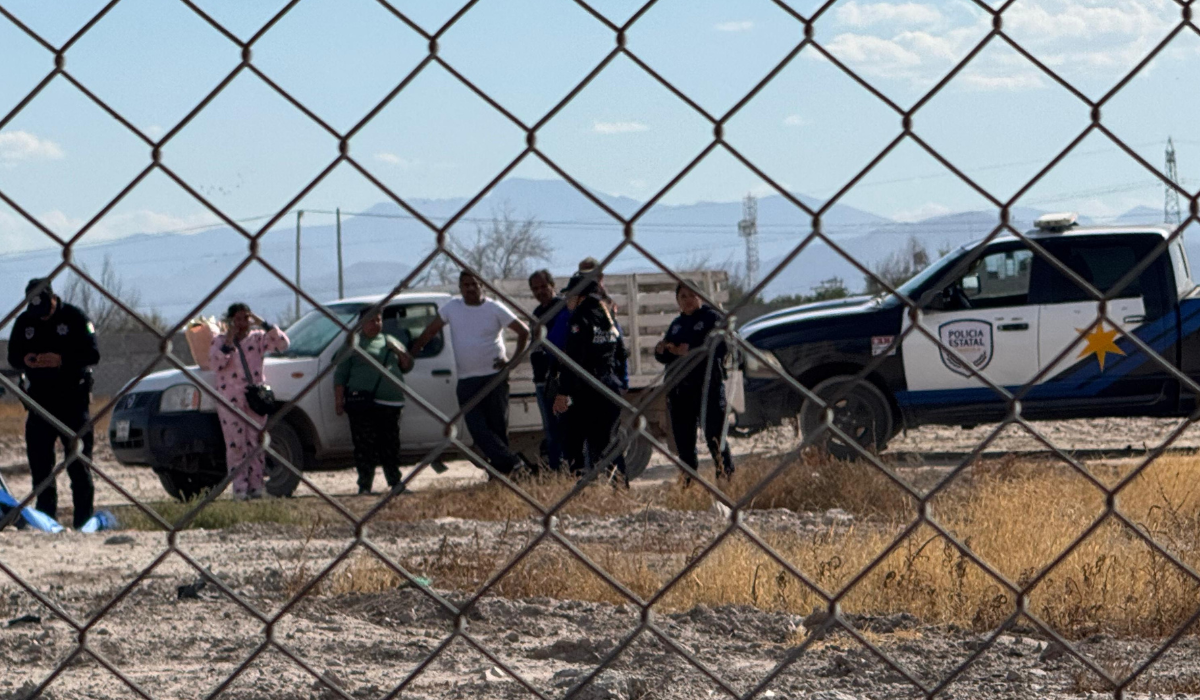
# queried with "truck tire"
point(186, 486)
point(862, 412)
point(281, 481)
point(637, 456)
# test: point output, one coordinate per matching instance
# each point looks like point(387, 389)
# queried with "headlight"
point(181, 397)
point(758, 369)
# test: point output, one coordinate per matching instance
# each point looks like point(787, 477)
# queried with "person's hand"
point(49, 359)
point(660, 348)
point(561, 403)
point(339, 405)
point(682, 349)
point(31, 360)
point(255, 320)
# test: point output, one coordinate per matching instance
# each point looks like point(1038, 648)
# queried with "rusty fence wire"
point(633, 413)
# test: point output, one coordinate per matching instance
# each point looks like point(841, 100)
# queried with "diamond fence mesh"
point(828, 427)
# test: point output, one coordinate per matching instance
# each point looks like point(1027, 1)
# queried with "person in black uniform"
point(594, 343)
point(54, 344)
point(686, 398)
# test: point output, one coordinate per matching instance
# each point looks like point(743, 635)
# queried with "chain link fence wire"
point(633, 414)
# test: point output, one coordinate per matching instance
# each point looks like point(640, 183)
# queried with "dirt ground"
point(369, 643)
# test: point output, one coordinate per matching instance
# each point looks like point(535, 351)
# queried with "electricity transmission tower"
point(1171, 213)
point(748, 229)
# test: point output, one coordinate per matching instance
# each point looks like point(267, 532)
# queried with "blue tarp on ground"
point(29, 516)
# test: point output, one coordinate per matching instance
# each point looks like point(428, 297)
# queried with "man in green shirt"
point(373, 402)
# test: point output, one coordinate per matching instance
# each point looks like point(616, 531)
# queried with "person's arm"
point(403, 358)
point(341, 376)
point(17, 348)
point(220, 353)
point(578, 340)
point(665, 351)
point(276, 340)
point(522, 332)
point(427, 335)
point(86, 351)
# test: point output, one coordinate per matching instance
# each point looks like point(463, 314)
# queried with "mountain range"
point(172, 273)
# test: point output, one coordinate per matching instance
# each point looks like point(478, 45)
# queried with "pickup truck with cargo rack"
point(1009, 315)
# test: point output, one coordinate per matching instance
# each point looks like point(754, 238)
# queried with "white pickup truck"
point(165, 421)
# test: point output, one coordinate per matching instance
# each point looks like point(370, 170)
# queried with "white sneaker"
point(256, 494)
point(239, 496)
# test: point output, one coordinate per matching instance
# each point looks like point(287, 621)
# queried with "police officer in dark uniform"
point(54, 344)
point(686, 398)
point(594, 343)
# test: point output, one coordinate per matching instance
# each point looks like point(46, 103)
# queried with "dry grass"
point(12, 417)
point(1017, 516)
point(222, 514)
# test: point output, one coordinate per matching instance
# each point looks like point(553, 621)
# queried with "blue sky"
point(812, 129)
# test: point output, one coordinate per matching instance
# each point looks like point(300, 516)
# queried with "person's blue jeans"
point(551, 426)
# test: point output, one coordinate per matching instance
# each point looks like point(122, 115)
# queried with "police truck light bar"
point(1057, 222)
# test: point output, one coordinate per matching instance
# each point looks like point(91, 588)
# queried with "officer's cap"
point(38, 282)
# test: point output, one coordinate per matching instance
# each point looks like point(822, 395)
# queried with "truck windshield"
point(315, 331)
point(931, 272)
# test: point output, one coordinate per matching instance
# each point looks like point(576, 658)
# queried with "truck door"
point(432, 375)
point(984, 315)
point(1100, 368)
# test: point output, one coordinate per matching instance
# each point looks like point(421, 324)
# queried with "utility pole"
point(299, 215)
point(341, 283)
point(748, 229)
point(1171, 214)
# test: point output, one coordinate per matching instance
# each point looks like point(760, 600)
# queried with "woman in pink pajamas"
point(242, 438)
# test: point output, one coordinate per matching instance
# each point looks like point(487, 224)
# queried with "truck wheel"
point(637, 456)
point(862, 413)
point(281, 481)
point(187, 485)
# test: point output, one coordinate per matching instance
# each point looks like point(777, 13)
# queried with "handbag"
point(361, 399)
point(259, 397)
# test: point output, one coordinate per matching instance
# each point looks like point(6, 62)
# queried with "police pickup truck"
point(167, 423)
point(1002, 312)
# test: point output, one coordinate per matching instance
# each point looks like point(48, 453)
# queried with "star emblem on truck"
point(1099, 343)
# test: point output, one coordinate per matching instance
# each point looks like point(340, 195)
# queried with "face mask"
point(40, 305)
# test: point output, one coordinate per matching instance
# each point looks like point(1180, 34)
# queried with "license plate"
point(122, 431)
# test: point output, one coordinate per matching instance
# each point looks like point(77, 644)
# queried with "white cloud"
point(394, 160)
point(892, 14)
point(21, 145)
point(795, 120)
point(925, 211)
point(1023, 80)
point(743, 26)
point(919, 43)
point(619, 127)
point(1056, 20)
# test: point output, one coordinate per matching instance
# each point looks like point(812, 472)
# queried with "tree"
point(504, 248)
point(825, 290)
point(902, 265)
point(104, 313)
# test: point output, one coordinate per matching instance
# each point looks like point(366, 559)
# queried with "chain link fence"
point(827, 428)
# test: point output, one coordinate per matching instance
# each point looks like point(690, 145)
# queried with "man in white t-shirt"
point(479, 354)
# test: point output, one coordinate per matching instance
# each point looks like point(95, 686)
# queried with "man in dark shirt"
point(686, 399)
point(54, 344)
point(541, 284)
